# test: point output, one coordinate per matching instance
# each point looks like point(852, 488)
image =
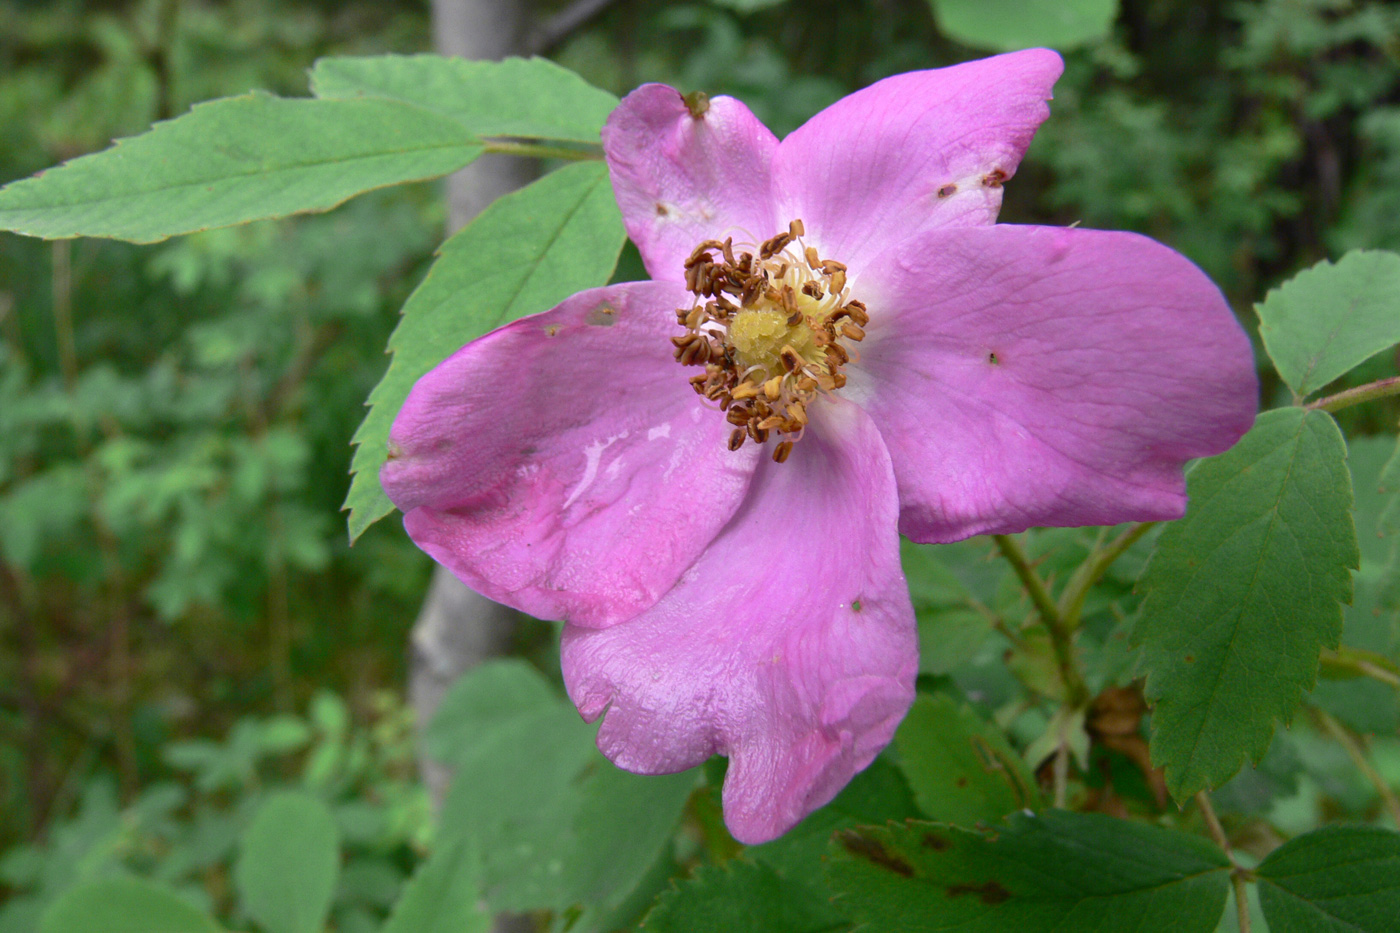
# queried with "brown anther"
point(736, 438)
point(838, 282)
point(813, 260)
point(853, 331)
point(831, 265)
point(792, 360)
point(797, 412)
point(794, 319)
point(856, 311)
point(806, 384)
point(758, 436)
point(781, 452)
point(771, 422)
point(795, 229)
point(838, 352)
point(773, 388)
point(737, 416)
point(727, 247)
point(745, 390)
point(838, 380)
point(682, 340)
point(812, 288)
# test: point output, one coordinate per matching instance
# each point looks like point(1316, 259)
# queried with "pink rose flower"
point(705, 475)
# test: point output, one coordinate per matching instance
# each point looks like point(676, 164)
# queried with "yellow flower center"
point(771, 332)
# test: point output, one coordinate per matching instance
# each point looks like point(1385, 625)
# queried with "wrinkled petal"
point(789, 646)
point(912, 152)
point(1028, 376)
point(681, 179)
point(562, 464)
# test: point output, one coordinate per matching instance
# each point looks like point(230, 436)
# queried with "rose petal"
point(1028, 376)
point(916, 151)
point(681, 179)
point(562, 464)
point(789, 646)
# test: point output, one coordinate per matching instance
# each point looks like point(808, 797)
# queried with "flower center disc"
point(770, 331)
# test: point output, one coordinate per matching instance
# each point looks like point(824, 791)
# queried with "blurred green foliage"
point(174, 420)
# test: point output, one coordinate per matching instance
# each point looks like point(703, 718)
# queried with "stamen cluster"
point(770, 331)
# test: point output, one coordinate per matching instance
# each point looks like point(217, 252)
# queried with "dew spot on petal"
point(947, 191)
point(661, 210)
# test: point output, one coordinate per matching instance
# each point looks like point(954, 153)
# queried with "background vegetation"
point(184, 629)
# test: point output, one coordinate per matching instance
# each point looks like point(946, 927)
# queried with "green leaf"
point(124, 905)
point(288, 863)
point(1055, 871)
point(1370, 621)
point(533, 796)
point(1243, 593)
point(493, 693)
point(524, 254)
point(1005, 25)
point(953, 623)
point(737, 897)
point(532, 98)
point(1388, 523)
point(1338, 879)
point(443, 896)
point(235, 160)
point(960, 768)
point(1327, 319)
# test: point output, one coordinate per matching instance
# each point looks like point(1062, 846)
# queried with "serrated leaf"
point(737, 897)
point(524, 254)
point(532, 98)
point(1338, 879)
point(234, 160)
point(1006, 25)
point(1055, 871)
point(1243, 593)
point(1327, 319)
point(124, 905)
point(287, 864)
point(1388, 523)
point(443, 896)
point(961, 769)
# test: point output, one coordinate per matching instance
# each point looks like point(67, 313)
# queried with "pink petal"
point(789, 646)
point(1028, 376)
point(681, 179)
point(912, 152)
point(562, 464)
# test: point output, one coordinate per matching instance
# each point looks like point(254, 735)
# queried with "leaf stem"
point(1381, 388)
point(1093, 569)
point(1344, 659)
point(1061, 635)
point(1238, 875)
point(535, 150)
point(1358, 757)
point(1241, 902)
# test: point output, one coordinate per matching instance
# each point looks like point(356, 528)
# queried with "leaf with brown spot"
point(1053, 871)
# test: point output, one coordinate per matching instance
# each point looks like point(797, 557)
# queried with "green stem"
point(1061, 635)
point(1093, 569)
point(1358, 757)
point(1238, 876)
point(1381, 388)
point(533, 150)
point(1344, 659)
point(1241, 902)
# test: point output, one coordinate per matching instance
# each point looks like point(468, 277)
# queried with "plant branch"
point(1093, 569)
point(1357, 754)
point(1381, 388)
point(1241, 901)
point(1061, 635)
point(1238, 875)
point(536, 150)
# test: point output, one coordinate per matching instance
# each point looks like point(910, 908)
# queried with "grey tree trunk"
point(457, 629)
